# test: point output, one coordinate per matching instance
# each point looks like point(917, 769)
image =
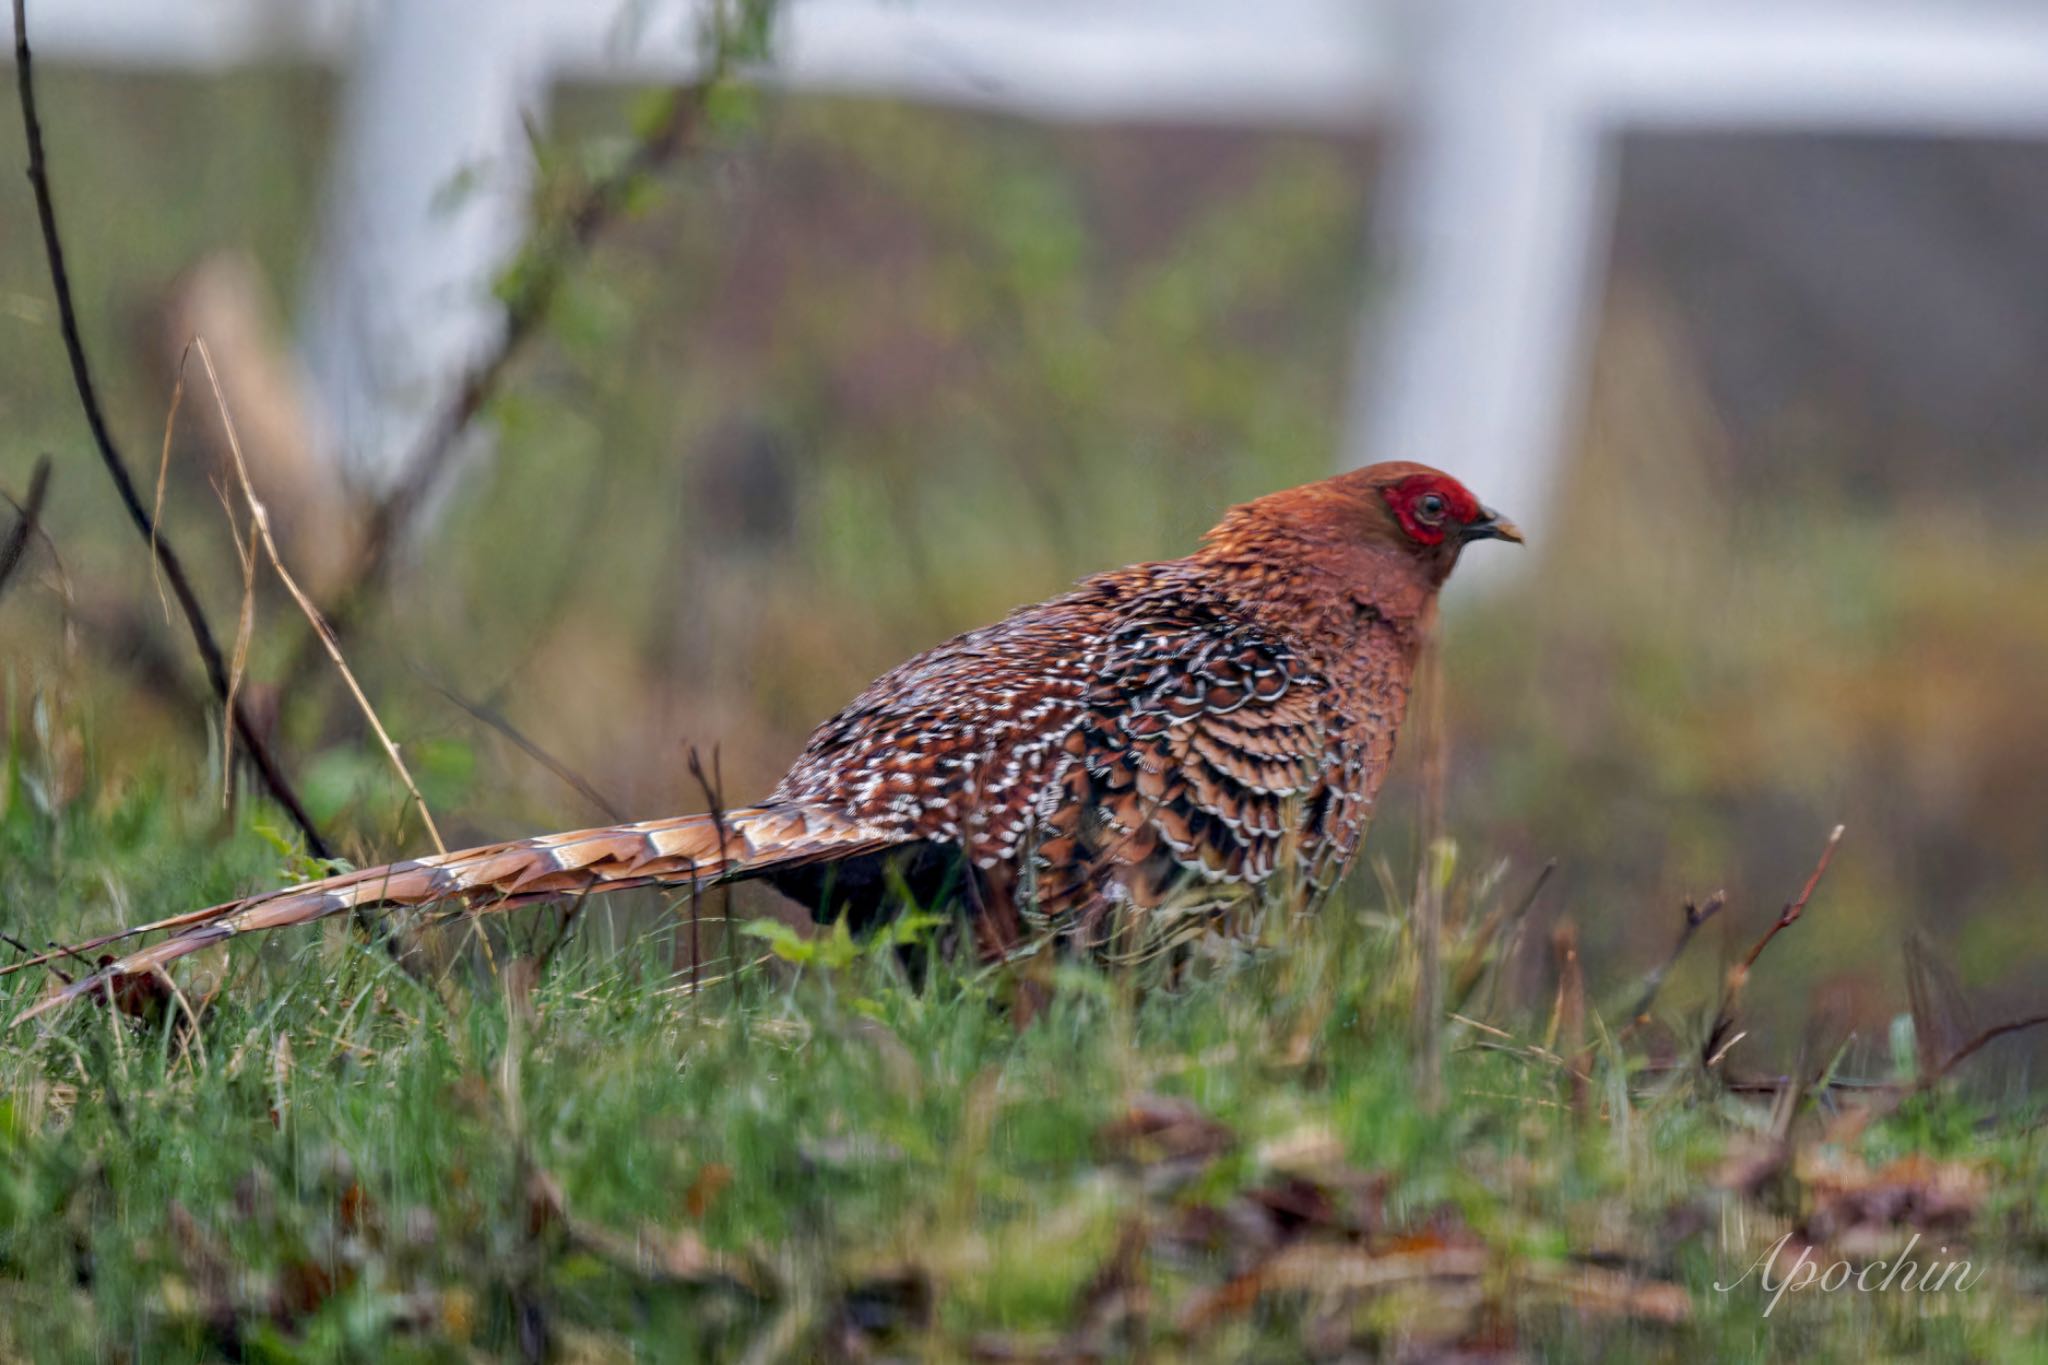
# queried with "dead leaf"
point(711, 1181)
point(1915, 1192)
point(1162, 1129)
point(1613, 1293)
point(884, 1306)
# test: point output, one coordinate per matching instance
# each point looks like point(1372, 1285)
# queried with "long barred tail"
point(678, 852)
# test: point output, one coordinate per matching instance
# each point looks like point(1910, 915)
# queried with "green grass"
point(797, 1161)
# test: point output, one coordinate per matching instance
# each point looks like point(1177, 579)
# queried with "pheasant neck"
point(1342, 603)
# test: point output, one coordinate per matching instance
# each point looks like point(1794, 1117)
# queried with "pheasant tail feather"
point(692, 849)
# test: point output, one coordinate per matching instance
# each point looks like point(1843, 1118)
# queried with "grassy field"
point(556, 1148)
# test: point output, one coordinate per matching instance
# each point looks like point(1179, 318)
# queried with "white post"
point(1495, 223)
point(427, 202)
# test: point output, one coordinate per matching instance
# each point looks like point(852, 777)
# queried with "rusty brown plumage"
point(1158, 749)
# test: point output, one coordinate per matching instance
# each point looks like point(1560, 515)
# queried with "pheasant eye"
point(1431, 507)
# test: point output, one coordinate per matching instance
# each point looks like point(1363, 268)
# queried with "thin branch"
point(1718, 1040)
point(551, 257)
point(166, 556)
point(496, 720)
point(1791, 913)
point(713, 786)
point(15, 548)
point(1978, 1043)
point(1892, 1094)
point(57, 950)
point(260, 516)
point(1480, 960)
point(45, 959)
point(563, 929)
point(1695, 916)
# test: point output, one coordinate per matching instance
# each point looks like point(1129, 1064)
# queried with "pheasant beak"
point(1491, 525)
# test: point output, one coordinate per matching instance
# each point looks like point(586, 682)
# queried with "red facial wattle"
point(1408, 498)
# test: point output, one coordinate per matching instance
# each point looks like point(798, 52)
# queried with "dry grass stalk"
point(1430, 878)
point(163, 471)
point(261, 519)
point(245, 632)
point(1567, 1032)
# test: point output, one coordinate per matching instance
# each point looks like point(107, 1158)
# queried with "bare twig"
point(1481, 960)
point(44, 959)
point(1891, 1094)
point(1978, 1043)
point(562, 930)
point(260, 516)
point(713, 786)
point(165, 555)
point(1791, 913)
point(1719, 1038)
point(15, 548)
point(1469, 1022)
point(496, 720)
point(1695, 915)
point(550, 257)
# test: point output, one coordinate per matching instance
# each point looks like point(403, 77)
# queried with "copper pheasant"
point(1166, 744)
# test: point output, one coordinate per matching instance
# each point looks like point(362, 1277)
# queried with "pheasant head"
point(1381, 539)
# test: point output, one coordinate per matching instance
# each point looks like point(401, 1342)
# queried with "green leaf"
point(783, 941)
point(837, 950)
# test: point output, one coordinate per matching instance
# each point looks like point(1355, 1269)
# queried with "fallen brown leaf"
point(1163, 1130)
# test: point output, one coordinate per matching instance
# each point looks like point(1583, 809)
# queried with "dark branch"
point(1718, 1037)
point(1496, 925)
point(713, 786)
point(15, 548)
point(488, 715)
point(1978, 1043)
point(167, 559)
point(1791, 913)
point(1695, 916)
point(1892, 1094)
point(22, 948)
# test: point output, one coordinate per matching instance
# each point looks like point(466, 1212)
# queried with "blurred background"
point(891, 316)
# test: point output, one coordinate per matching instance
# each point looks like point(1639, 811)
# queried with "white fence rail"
point(1494, 230)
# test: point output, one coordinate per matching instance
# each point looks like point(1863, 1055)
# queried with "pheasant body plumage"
point(1138, 741)
point(1160, 747)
